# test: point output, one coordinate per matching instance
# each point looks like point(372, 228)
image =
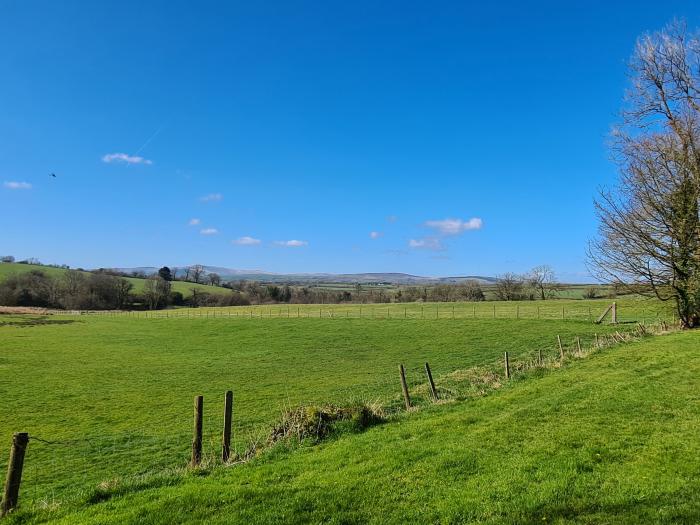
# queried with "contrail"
point(149, 140)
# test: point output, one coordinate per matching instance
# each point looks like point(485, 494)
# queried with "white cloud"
point(427, 243)
point(194, 222)
point(392, 219)
point(292, 243)
point(455, 226)
point(209, 231)
point(124, 158)
point(212, 197)
point(246, 241)
point(14, 185)
point(376, 235)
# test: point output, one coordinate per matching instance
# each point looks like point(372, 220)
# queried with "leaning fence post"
point(433, 391)
point(507, 365)
point(228, 411)
point(197, 431)
point(10, 495)
point(561, 348)
point(404, 387)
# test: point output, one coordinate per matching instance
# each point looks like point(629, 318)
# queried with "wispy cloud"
point(455, 226)
point(392, 219)
point(376, 235)
point(194, 222)
point(292, 243)
point(246, 241)
point(212, 197)
point(14, 185)
point(209, 231)
point(427, 243)
point(125, 159)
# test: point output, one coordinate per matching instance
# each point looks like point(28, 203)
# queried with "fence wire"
point(69, 464)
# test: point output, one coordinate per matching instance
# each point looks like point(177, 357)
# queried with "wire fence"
point(644, 312)
point(67, 464)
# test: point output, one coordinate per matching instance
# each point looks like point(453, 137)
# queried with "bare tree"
point(649, 226)
point(156, 292)
point(214, 279)
point(510, 287)
point(543, 281)
point(197, 272)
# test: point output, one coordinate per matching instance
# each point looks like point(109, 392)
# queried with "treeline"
point(257, 293)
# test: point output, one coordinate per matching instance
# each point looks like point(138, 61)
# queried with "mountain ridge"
point(234, 274)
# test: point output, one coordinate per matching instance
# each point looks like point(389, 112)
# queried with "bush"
point(590, 293)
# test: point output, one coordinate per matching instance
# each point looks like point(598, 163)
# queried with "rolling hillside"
point(184, 288)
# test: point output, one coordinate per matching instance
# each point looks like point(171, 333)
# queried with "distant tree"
point(509, 287)
point(286, 294)
point(472, 291)
point(543, 281)
point(197, 272)
point(122, 289)
point(165, 273)
point(31, 288)
point(156, 292)
point(7, 259)
point(214, 279)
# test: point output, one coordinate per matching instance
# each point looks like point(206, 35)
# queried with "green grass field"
point(629, 311)
point(126, 384)
point(607, 439)
point(7, 269)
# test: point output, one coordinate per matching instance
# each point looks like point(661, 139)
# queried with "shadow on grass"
point(28, 323)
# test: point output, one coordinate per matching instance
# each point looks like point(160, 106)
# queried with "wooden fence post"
point(614, 313)
point(10, 495)
point(228, 413)
point(507, 365)
point(433, 391)
point(561, 348)
point(597, 344)
point(404, 387)
point(539, 356)
point(578, 344)
point(197, 431)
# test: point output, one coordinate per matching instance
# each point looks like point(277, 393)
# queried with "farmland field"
point(113, 396)
point(629, 311)
point(115, 392)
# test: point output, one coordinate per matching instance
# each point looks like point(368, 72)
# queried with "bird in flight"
point(52, 175)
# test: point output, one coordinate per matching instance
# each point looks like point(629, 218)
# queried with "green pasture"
point(116, 392)
point(608, 439)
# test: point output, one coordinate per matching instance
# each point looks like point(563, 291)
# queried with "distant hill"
point(7, 269)
point(232, 274)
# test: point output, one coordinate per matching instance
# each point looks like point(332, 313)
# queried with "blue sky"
point(469, 137)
